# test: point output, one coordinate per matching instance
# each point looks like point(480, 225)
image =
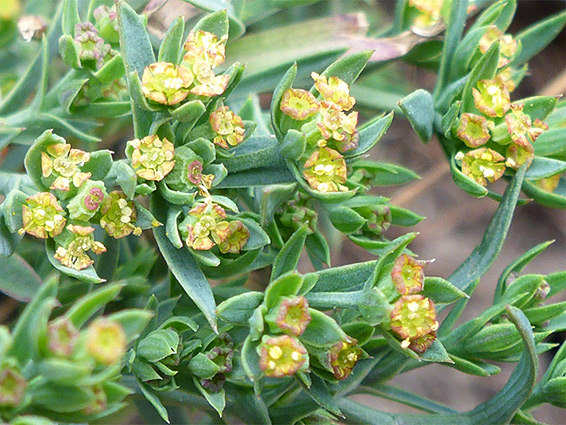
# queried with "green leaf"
point(538, 36)
point(258, 238)
point(170, 50)
point(183, 266)
point(158, 344)
point(407, 398)
point(322, 331)
point(284, 286)
point(84, 308)
point(171, 226)
point(370, 134)
point(293, 145)
point(8, 240)
point(484, 255)
point(18, 280)
point(271, 198)
point(124, 176)
point(285, 83)
point(442, 291)
point(99, 165)
point(544, 167)
point(255, 152)
point(289, 256)
point(473, 367)
point(543, 197)
point(257, 177)
point(154, 401)
point(404, 217)
point(347, 68)
point(436, 353)
point(317, 246)
point(62, 371)
point(538, 107)
point(418, 108)
point(68, 52)
point(189, 112)
point(320, 393)
point(70, 17)
point(215, 23)
point(345, 278)
point(112, 70)
point(551, 142)
point(133, 321)
point(346, 220)
point(88, 275)
point(60, 398)
point(385, 174)
point(485, 69)
point(216, 399)
point(238, 309)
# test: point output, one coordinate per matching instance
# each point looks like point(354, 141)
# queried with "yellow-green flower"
point(60, 161)
point(207, 226)
point(166, 83)
point(228, 126)
point(210, 84)
point(106, 341)
point(62, 337)
point(42, 216)
point(290, 315)
point(282, 356)
point(152, 158)
point(507, 45)
point(412, 317)
point(204, 46)
point(473, 130)
point(338, 126)
point(118, 215)
point(430, 12)
point(343, 356)
point(491, 98)
point(237, 238)
point(482, 165)
point(519, 153)
point(73, 253)
point(334, 90)
point(12, 387)
point(299, 104)
point(325, 171)
point(407, 275)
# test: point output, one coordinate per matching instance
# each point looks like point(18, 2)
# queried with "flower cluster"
point(427, 12)
point(413, 316)
point(329, 131)
point(170, 84)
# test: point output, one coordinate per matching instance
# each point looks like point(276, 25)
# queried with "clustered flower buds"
point(42, 216)
point(298, 212)
point(152, 158)
point(507, 44)
point(282, 356)
point(228, 126)
point(90, 46)
point(118, 215)
point(325, 171)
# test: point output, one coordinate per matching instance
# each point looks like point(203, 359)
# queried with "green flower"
point(206, 226)
point(106, 341)
point(228, 126)
point(491, 98)
point(107, 23)
point(282, 356)
point(473, 130)
point(482, 165)
point(336, 125)
point(290, 315)
point(62, 337)
point(519, 153)
point(408, 275)
point(334, 90)
point(209, 84)
point(42, 216)
point(507, 45)
point(12, 387)
point(98, 405)
point(299, 104)
point(520, 127)
point(166, 83)
point(343, 356)
point(412, 317)
point(237, 238)
point(86, 203)
point(62, 164)
point(118, 215)
point(204, 46)
point(325, 171)
point(152, 158)
point(73, 252)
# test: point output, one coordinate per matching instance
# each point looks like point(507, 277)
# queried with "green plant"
point(207, 314)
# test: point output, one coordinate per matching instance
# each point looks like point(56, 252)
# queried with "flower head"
point(507, 45)
point(12, 387)
point(325, 171)
point(336, 125)
point(204, 46)
point(152, 158)
point(106, 341)
point(97, 405)
point(282, 356)
point(42, 216)
point(209, 84)
point(344, 355)
point(166, 83)
point(299, 104)
point(86, 203)
point(520, 126)
point(291, 315)
point(412, 317)
point(228, 126)
point(299, 212)
point(407, 275)
point(207, 226)
point(519, 153)
point(492, 98)
point(237, 238)
point(482, 165)
point(62, 337)
point(334, 90)
point(73, 253)
point(90, 47)
point(118, 215)
point(473, 130)
point(63, 165)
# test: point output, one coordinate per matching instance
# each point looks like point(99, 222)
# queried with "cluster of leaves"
point(231, 196)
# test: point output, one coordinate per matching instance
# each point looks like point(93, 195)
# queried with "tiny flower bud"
point(62, 337)
point(344, 355)
point(297, 213)
point(325, 171)
point(299, 104)
point(118, 216)
point(334, 90)
point(89, 45)
point(507, 45)
point(483, 165)
point(206, 226)
point(491, 98)
point(423, 343)
point(291, 315)
point(12, 387)
point(106, 341)
point(73, 253)
point(473, 130)
point(378, 219)
point(61, 166)
point(152, 158)
point(107, 23)
point(542, 291)
point(97, 405)
point(228, 126)
point(282, 356)
point(412, 317)
point(166, 83)
point(237, 238)
point(407, 275)
point(42, 216)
